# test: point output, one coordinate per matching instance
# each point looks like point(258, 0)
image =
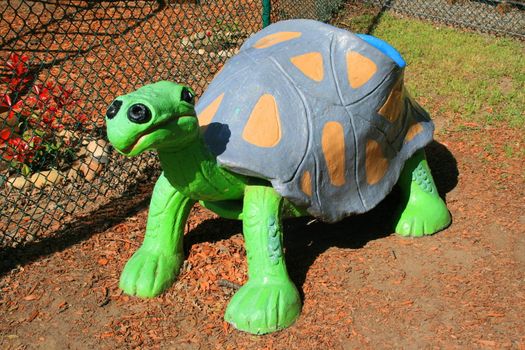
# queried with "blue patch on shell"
point(385, 48)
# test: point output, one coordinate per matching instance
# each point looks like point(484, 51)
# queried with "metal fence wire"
point(321, 10)
point(62, 63)
point(495, 16)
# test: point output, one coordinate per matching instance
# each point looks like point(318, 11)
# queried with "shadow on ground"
point(110, 214)
point(306, 240)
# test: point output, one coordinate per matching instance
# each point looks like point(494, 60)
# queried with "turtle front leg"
point(269, 301)
point(155, 265)
point(422, 211)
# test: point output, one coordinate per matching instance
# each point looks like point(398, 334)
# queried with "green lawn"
point(470, 77)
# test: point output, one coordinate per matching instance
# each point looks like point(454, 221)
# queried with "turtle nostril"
point(113, 109)
point(139, 113)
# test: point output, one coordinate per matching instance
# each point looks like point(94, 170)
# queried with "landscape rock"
point(91, 168)
point(19, 182)
point(45, 178)
point(74, 173)
point(212, 43)
point(68, 135)
point(99, 150)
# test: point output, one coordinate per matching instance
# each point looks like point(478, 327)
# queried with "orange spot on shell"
point(275, 38)
point(413, 131)
point(394, 104)
point(333, 143)
point(263, 128)
point(306, 183)
point(207, 114)
point(359, 68)
point(311, 64)
point(376, 163)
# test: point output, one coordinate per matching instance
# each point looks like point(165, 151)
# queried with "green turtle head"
point(160, 115)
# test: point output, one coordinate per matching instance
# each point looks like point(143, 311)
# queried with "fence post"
point(267, 8)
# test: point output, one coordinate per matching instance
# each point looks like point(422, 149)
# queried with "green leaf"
point(26, 170)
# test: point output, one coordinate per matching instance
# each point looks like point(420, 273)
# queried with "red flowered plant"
point(37, 131)
point(21, 78)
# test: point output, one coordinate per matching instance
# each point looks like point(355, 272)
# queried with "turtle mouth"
point(128, 149)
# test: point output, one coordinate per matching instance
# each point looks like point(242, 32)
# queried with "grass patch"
point(358, 24)
point(474, 77)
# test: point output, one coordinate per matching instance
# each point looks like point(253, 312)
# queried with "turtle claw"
point(415, 227)
point(147, 273)
point(262, 307)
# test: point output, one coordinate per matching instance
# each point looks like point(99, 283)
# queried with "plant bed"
point(215, 44)
point(100, 50)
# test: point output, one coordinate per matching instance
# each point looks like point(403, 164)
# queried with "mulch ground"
point(362, 286)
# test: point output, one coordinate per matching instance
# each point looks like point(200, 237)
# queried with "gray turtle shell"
point(318, 112)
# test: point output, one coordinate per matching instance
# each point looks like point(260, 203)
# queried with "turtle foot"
point(424, 214)
point(147, 273)
point(263, 307)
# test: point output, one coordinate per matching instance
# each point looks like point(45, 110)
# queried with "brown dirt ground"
point(362, 286)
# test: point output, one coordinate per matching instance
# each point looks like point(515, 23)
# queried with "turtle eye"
point(139, 113)
point(113, 109)
point(187, 96)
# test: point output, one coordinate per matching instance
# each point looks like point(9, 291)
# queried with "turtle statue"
point(307, 119)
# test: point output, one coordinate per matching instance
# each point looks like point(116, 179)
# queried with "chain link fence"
point(321, 10)
point(62, 63)
point(494, 16)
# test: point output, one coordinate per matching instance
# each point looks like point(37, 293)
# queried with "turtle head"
point(156, 116)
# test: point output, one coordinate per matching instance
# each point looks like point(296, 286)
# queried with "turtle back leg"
point(422, 211)
point(269, 301)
